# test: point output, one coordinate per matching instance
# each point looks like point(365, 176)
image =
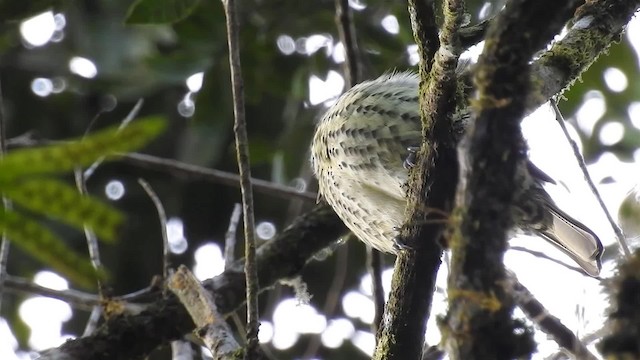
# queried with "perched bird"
point(358, 154)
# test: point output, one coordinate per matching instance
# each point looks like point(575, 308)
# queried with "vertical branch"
point(242, 150)
point(431, 185)
point(162, 216)
point(347, 33)
point(479, 324)
point(353, 75)
point(374, 266)
point(425, 33)
point(92, 239)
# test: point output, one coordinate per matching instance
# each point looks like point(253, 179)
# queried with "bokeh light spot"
point(37, 30)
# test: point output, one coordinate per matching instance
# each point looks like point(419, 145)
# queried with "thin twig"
point(137, 295)
point(4, 246)
point(229, 253)
point(92, 239)
point(189, 171)
point(162, 216)
point(347, 33)
point(192, 172)
point(576, 153)
point(242, 150)
point(586, 340)
point(374, 263)
point(547, 257)
point(78, 299)
point(94, 319)
point(81, 183)
point(548, 323)
point(230, 236)
point(126, 121)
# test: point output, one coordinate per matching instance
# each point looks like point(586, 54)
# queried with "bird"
point(359, 154)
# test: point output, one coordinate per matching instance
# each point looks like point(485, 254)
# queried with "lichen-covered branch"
point(425, 32)
point(479, 324)
point(212, 327)
point(595, 26)
point(432, 186)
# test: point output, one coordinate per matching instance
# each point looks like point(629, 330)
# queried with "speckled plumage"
point(358, 152)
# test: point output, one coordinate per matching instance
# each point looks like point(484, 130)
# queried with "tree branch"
point(347, 33)
point(548, 323)
point(166, 319)
point(431, 186)
point(478, 324)
point(194, 172)
point(595, 26)
point(242, 152)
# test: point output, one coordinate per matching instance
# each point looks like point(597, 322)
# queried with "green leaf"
point(65, 157)
point(160, 11)
point(42, 244)
point(63, 202)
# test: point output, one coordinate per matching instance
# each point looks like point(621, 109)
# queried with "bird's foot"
point(411, 159)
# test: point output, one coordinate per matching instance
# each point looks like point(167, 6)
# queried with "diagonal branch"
point(548, 323)
point(595, 26)
point(165, 319)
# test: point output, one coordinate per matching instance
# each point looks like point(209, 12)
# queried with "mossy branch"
point(431, 186)
point(479, 323)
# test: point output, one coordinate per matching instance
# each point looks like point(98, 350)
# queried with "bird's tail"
point(574, 239)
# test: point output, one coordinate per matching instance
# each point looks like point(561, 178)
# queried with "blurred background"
point(71, 67)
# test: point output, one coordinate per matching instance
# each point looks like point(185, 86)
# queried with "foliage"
point(23, 183)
